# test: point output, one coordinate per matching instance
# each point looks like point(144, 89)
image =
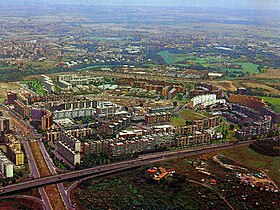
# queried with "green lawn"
point(246, 67)
point(191, 115)
point(209, 61)
point(172, 58)
point(177, 121)
point(35, 85)
point(275, 102)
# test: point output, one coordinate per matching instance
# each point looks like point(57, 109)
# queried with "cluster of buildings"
point(205, 89)
point(255, 103)
point(20, 52)
point(23, 105)
point(205, 100)
point(14, 150)
point(113, 126)
point(14, 155)
point(73, 80)
point(46, 109)
point(140, 144)
point(252, 115)
point(74, 143)
point(158, 173)
point(254, 124)
point(166, 89)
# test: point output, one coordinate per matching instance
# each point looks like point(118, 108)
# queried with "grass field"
point(246, 67)
point(172, 58)
point(177, 121)
point(275, 102)
point(35, 85)
point(267, 89)
point(191, 115)
point(253, 159)
point(269, 74)
point(209, 61)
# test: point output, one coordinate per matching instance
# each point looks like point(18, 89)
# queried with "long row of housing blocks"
point(129, 142)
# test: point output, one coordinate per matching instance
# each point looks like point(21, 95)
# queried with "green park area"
point(177, 121)
point(191, 115)
point(222, 64)
point(184, 115)
point(35, 85)
point(274, 103)
point(170, 58)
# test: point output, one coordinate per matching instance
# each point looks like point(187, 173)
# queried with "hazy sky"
point(232, 4)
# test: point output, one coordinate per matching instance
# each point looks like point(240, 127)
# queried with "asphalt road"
point(27, 131)
point(35, 173)
point(115, 167)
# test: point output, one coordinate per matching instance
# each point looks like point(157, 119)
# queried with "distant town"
point(87, 104)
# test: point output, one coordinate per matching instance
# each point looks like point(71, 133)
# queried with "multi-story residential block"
point(65, 80)
point(5, 125)
point(160, 109)
point(6, 166)
point(205, 100)
point(171, 94)
point(157, 118)
point(14, 151)
point(195, 139)
point(47, 83)
point(165, 90)
point(72, 156)
point(106, 108)
point(255, 103)
point(249, 101)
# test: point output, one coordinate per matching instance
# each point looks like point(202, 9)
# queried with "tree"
point(179, 96)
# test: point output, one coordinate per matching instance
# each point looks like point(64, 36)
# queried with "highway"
point(116, 167)
point(51, 167)
point(31, 162)
point(35, 173)
point(28, 132)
